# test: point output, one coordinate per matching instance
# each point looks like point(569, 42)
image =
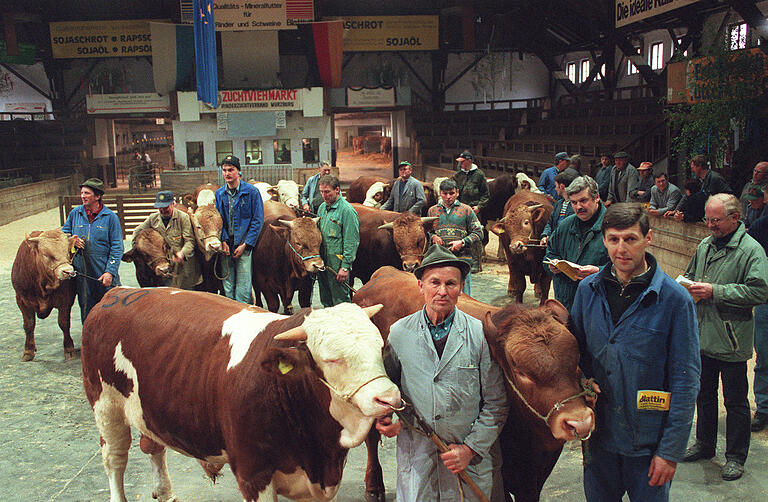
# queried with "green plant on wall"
point(727, 88)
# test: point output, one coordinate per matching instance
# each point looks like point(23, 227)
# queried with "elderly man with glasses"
point(729, 271)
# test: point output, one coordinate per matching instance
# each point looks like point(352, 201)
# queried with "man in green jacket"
point(730, 275)
point(340, 229)
point(473, 191)
point(577, 239)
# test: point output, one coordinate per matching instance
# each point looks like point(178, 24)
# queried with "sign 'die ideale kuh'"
point(630, 11)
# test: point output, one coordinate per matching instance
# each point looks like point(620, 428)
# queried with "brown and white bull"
point(288, 193)
point(389, 238)
point(150, 255)
point(40, 277)
point(285, 256)
point(519, 230)
point(359, 188)
point(539, 357)
point(244, 390)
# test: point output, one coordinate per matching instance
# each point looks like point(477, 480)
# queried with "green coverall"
point(341, 236)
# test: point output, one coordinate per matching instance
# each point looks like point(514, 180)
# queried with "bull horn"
point(535, 206)
point(287, 223)
point(373, 309)
point(316, 219)
point(387, 226)
point(427, 219)
point(296, 333)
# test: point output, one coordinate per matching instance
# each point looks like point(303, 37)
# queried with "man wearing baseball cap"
point(644, 183)
point(99, 243)
point(176, 228)
point(242, 213)
point(547, 178)
point(756, 206)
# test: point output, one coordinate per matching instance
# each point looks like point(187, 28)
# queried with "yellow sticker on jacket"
point(654, 400)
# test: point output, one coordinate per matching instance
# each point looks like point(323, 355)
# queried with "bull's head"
point(539, 357)
point(55, 252)
point(522, 225)
point(409, 233)
point(288, 193)
point(303, 240)
point(207, 224)
point(346, 347)
point(150, 247)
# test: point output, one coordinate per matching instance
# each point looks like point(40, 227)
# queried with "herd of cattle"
point(311, 383)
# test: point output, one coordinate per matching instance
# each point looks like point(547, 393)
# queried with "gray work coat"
point(460, 395)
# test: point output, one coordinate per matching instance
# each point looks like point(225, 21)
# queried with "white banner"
point(256, 101)
point(149, 102)
point(630, 11)
point(360, 97)
point(247, 15)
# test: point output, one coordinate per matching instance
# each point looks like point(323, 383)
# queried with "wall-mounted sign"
point(248, 15)
point(149, 102)
point(390, 33)
point(360, 97)
point(256, 101)
point(101, 39)
point(26, 108)
point(280, 121)
point(630, 11)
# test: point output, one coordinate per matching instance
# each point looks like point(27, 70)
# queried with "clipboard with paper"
point(570, 269)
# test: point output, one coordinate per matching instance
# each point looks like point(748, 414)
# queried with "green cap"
point(94, 184)
point(438, 255)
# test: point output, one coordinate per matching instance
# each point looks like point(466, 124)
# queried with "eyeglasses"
point(716, 221)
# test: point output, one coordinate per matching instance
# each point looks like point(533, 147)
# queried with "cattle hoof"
point(375, 497)
point(71, 354)
point(27, 356)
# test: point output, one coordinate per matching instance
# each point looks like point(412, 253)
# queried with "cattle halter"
point(302, 258)
point(348, 397)
point(587, 390)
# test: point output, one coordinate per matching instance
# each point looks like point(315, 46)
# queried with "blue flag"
point(205, 53)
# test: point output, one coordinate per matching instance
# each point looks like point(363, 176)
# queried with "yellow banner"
point(390, 33)
point(630, 11)
point(101, 39)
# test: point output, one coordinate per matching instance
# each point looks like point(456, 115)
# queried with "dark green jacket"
point(473, 187)
point(738, 274)
point(567, 243)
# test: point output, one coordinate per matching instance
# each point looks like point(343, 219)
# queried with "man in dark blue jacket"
point(638, 337)
point(242, 212)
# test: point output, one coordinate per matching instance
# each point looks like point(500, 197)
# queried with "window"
point(631, 68)
point(195, 156)
point(584, 70)
point(570, 71)
point(310, 150)
point(737, 36)
point(282, 151)
point(252, 151)
point(600, 74)
point(223, 148)
point(656, 56)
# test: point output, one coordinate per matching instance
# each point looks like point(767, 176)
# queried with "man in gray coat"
point(624, 180)
point(439, 358)
point(664, 196)
point(407, 192)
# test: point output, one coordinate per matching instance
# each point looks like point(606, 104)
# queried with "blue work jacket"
point(547, 181)
point(249, 214)
point(653, 346)
point(103, 241)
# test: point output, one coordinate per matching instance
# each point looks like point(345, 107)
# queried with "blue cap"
point(562, 156)
point(163, 199)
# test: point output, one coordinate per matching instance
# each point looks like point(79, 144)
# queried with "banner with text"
point(248, 15)
point(390, 33)
point(361, 97)
point(149, 102)
point(630, 11)
point(101, 39)
point(256, 101)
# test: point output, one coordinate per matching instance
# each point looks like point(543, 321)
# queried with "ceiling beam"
point(26, 81)
point(650, 76)
point(557, 72)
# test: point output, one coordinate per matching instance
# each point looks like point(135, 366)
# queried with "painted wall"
point(297, 127)
point(15, 90)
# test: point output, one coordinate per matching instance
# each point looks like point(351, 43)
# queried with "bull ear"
point(558, 310)
point(386, 226)
point(373, 310)
point(497, 228)
point(283, 362)
point(128, 256)
point(278, 229)
point(538, 214)
point(286, 223)
point(491, 337)
point(296, 333)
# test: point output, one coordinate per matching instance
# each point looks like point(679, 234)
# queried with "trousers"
point(760, 385)
point(608, 476)
point(237, 283)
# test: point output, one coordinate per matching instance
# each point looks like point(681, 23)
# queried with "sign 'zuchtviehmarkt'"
point(256, 101)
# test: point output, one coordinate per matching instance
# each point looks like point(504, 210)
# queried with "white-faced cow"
point(288, 193)
point(389, 238)
point(375, 195)
point(150, 255)
point(40, 276)
point(285, 256)
point(207, 224)
point(233, 385)
point(359, 188)
point(519, 230)
point(539, 357)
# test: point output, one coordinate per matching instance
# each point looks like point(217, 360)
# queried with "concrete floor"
point(49, 445)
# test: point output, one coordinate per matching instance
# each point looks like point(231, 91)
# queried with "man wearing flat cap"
point(242, 214)
point(624, 180)
point(99, 243)
point(473, 191)
point(176, 228)
point(439, 358)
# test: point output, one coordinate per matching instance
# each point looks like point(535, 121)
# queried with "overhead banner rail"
point(631, 11)
point(101, 39)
